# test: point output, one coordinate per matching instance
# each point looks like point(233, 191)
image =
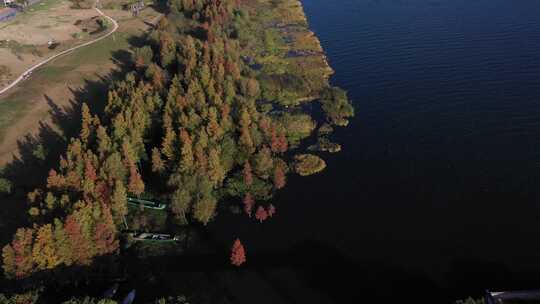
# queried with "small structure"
point(129, 298)
point(154, 237)
point(136, 8)
point(52, 44)
point(111, 291)
point(146, 203)
point(7, 13)
point(525, 296)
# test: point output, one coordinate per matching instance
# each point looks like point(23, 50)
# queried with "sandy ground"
point(37, 28)
point(49, 20)
point(59, 91)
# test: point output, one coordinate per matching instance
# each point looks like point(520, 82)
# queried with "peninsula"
point(209, 119)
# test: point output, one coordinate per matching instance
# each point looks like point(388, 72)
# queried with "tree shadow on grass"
point(40, 152)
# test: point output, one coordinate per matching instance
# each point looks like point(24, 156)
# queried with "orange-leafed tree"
point(248, 176)
point(279, 177)
point(238, 253)
point(248, 204)
point(105, 233)
point(136, 184)
point(17, 256)
point(79, 245)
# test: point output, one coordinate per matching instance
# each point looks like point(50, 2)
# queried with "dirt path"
point(27, 73)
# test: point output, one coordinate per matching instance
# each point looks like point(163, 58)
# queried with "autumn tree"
point(44, 252)
point(18, 258)
point(86, 123)
point(216, 173)
point(248, 204)
point(263, 162)
point(261, 215)
point(104, 235)
point(9, 263)
point(181, 201)
point(248, 176)
point(205, 209)
point(158, 165)
point(279, 177)
point(238, 254)
point(136, 185)
point(119, 202)
point(143, 56)
point(78, 244)
point(63, 243)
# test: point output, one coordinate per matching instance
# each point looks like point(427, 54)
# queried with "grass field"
point(24, 39)
point(23, 109)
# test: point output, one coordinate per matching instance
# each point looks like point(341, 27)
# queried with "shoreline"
point(307, 47)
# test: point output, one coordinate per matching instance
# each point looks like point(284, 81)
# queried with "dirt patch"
point(92, 26)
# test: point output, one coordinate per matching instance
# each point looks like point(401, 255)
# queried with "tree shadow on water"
point(316, 272)
point(309, 270)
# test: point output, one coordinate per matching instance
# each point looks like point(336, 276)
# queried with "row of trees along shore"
point(189, 125)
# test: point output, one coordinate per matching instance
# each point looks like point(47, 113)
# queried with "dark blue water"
point(437, 190)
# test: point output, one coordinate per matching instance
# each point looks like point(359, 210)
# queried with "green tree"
point(181, 201)
point(44, 252)
point(5, 186)
point(119, 202)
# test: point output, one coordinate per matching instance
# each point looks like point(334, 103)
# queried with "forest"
point(210, 119)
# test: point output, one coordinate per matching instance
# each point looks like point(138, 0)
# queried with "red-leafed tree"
point(282, 143)
point(89, 171)
point(238, 253)
point(20, 252)
point(274, 141)
point(77, 241)
point(248, 176)
point(279, 177)
point(105, 233)
point(261, 215)
point(248, 204)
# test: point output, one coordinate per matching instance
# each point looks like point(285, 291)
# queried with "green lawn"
point(10, 110)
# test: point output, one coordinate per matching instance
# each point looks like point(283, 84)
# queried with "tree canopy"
point(195, 123)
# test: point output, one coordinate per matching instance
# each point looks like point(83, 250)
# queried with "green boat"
point(154, 237)
point(146, 203)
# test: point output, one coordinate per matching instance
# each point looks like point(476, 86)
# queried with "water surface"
point(437, 189)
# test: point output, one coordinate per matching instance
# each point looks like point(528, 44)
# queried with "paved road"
point(26, 73)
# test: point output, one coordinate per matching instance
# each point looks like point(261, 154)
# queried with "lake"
point(435, 194)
